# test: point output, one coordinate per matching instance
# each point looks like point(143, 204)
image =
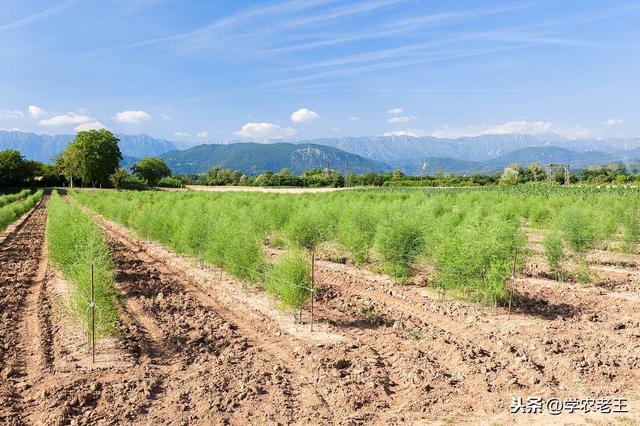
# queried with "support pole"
point(93, 319)
point(513, 280)
point(313, 261)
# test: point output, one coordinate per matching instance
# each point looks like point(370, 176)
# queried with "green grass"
point(12, 211)
point(75, 243)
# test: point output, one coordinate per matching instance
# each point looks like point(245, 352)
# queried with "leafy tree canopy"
point(13, 168)
point(93, 156)
point(151, 169)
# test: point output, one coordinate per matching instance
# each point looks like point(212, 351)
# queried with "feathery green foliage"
point(14, 210)
point(74, 243)
point(10, 198)
point(290, 279)
point(466, 237)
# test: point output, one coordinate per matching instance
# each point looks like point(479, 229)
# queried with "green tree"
point(118, 177)
point(510, 176)
point(93, 156)
point(13, 168)
point(151, 169)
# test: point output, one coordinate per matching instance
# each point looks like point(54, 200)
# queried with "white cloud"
point(35, 111)
point(203, 134)
point(416, 133)
point(402, 119)
point(510, 127)
point(614, 121)
point(304, 115)
point(5, 113)
point(264, 130)
point(65, 120)
point(514, 127)
point(354, 118)
point(181, 134)
point(93, 125)
point(396, 110)
point(132, 116)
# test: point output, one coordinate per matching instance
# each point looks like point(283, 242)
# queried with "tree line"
point(91, 159)
point(94, 156)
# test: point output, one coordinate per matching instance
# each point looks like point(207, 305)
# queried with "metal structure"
point(553, 169)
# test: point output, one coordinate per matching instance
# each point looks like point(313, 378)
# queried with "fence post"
point(93, 319)
point(313, 258)
point(513, 280)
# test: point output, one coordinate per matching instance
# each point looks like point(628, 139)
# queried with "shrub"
point(290, 279)
point(170, 182)
point(133, 182)
point(476, 260)
point(306, 229)
point(399, 240)
point(578, 229)
point(357, 231)
point(554, 252)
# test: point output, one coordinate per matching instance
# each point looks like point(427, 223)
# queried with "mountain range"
point(413, 155)
point(43, 147)
point(254, 158)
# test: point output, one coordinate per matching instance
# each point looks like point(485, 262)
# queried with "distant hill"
point(254, 158)
point(43, 147)
point(523, 156)
point(416, 150)
point(486, 154)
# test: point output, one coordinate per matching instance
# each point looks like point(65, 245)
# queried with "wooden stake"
point(93, 320)
point(513, 280)
point(313, 258)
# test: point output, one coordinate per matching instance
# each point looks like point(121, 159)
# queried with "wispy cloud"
point(397, 63)
point(613, 121)
point(203, 35)
point(37, 16)
point(397, 27)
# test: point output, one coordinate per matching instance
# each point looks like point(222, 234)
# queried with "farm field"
point(200, 294)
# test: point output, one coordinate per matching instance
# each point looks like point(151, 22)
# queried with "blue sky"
point(225, 70)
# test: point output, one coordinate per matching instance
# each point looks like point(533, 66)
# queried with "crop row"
point(466, 238)
point(12, 211)
point(10, 198)
point(75, 243)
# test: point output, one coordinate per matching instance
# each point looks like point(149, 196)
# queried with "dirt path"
point(262, 189)
point(22, 257)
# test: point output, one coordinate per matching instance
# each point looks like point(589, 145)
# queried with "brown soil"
point(195, 346)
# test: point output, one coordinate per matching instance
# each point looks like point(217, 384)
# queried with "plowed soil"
point(197, 347)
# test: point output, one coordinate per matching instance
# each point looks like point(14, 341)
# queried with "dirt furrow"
point(21, 280)
point(538, 352)
point(355, 378)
